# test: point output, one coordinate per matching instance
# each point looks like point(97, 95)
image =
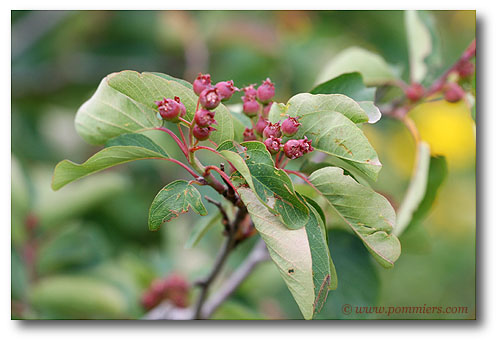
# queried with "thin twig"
point(258, 254)
point(226, 219)
point(218, 265)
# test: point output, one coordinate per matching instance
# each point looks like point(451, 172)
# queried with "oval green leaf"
point(368, 213)
point(124, 102)
point(122, 149)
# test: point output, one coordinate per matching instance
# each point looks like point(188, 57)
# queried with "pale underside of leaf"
point(416, 189)
point(368, 213)
point(419, 44)
point(289, 250)
point(173, 200)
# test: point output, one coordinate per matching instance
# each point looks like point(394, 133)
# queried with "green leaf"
point(416, 189)
point(349, 84)
point(322, 221)
point(371, 66)
point(419, 43)
point(124, 102)
point(320, 258)
point(201, 227)
point(359, 283)
point(369, 214)
point(254, 163)
point(122, 149)
point(301, 255)
point(352, 85)
point(330, 121)
point(303, 104)
point(174, 199)
point(371, 110)
point(436, 176)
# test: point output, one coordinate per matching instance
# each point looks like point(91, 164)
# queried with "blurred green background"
point(86, 252)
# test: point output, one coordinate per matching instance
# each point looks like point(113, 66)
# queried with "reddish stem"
point(182, 135)
point(470, 51)
point(193, 173)
point(201, 147)
point(183, 148)
point(222, 173)
point(302, 176)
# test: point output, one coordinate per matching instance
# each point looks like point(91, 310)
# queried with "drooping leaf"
point(349, 84)
point(320, 258)
point(434, 61)
point(173, 200)
point(419, 43)
point(369, 214)
point(272, 186)
point(436, 177)
point(301, 255)
point(330, 121)
point(416, 189)
point(122, 149)
point(321, 214)
point(359, 283)
point(124, 102)
point(371, 66)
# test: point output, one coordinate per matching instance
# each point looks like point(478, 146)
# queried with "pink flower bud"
point(273, 144)
point(290, 126)
point(261, 125)
point(249, 135)
point(202, 133)
point(182, 108)
point(414, 92)
point(272, 130)
point(201, 83)
point(251, 106)
point(266, 91)
point(292, 149)
point(169, 109)
point(306, 145)
point(250, 91)
point(453, 92)
point(226, 89)
point(209, 98)
point(204, 118)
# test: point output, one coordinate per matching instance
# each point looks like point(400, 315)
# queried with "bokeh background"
point(86, 252)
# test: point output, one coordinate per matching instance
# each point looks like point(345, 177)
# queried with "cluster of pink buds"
point(209, 98)
point(272, 134)
point(171, 109)
point(173, 288)
point(253, 99)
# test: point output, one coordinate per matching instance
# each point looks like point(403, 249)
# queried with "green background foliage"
point(93, 234)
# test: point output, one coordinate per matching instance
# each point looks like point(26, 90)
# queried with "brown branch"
point(258, 254)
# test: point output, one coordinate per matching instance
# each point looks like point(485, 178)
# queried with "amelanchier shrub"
point(256, 180)
point(254, 177)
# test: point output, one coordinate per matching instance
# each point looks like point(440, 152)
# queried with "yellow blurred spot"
point(449, 130)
